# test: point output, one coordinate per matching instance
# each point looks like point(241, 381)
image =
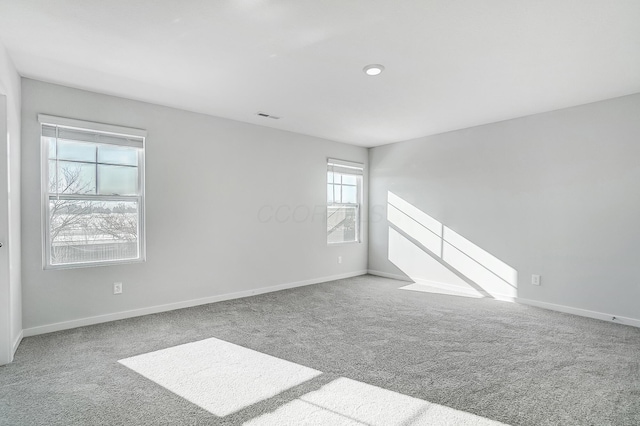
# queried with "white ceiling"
point(450, 64)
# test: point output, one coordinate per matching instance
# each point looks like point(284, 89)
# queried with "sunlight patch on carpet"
point(224, 378)
point(218, 376)
point(349, 402)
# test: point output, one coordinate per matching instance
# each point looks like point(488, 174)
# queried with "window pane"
point(117, 155)
point(51, 143)
point(92, 231)
point(349, 194)
point(121, 180)
point(329, 177)
point(75, 178)
point(349, 179)
point(341, 224)
point(76, 151)
point(330, 194)
point(53, 184)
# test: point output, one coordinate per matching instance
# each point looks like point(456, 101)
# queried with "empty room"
point(292, 212)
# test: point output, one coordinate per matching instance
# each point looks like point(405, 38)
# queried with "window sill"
point(92, 264)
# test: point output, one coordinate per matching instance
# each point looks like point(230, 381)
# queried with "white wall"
point(556, 194)
point(10, 87)
point(207, 180)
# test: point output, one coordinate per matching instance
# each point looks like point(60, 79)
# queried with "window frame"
point(359, 175)
point(46, 195)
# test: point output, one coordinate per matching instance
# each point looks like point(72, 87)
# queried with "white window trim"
point(91, 125)
point(45, 195)
point(358, 169)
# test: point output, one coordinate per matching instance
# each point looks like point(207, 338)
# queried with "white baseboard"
point(581, 312)
point(16, 343)
point(388, 275)
point(544, 305)
point(440, 285)
point(33, 331)
point(447, 288)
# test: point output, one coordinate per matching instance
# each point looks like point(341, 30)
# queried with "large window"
point(344, 197)
point(92, 193)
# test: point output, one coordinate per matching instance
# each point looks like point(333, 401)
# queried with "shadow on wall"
point(440, 260)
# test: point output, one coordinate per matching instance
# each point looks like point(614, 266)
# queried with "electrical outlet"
point(339, 259)
point(535, 279)
point(117, 288)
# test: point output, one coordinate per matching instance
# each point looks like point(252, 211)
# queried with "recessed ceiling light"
point(373, 69)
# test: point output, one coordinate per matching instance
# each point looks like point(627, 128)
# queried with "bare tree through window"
point(93, 199)
point(86, 230)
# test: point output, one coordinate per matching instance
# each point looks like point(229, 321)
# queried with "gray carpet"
point(510, 363)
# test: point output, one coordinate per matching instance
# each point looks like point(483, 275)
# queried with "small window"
point(344, 198)
point(93, 193)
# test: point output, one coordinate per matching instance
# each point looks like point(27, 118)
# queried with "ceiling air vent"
point(265, 115)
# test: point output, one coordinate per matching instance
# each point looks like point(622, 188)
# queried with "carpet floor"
point(361, 337)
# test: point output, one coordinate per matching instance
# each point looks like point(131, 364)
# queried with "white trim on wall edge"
point(440, 285)
point(580, 312)
point(388, 275)
point(65, 325)
point(544, 305)
point(16, 343)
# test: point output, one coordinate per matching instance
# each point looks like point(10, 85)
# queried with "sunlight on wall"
point(429, 274)
point(421, 227)
point(411, 226)
point(218, 376)
point(224, 378)
point(491, 263)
